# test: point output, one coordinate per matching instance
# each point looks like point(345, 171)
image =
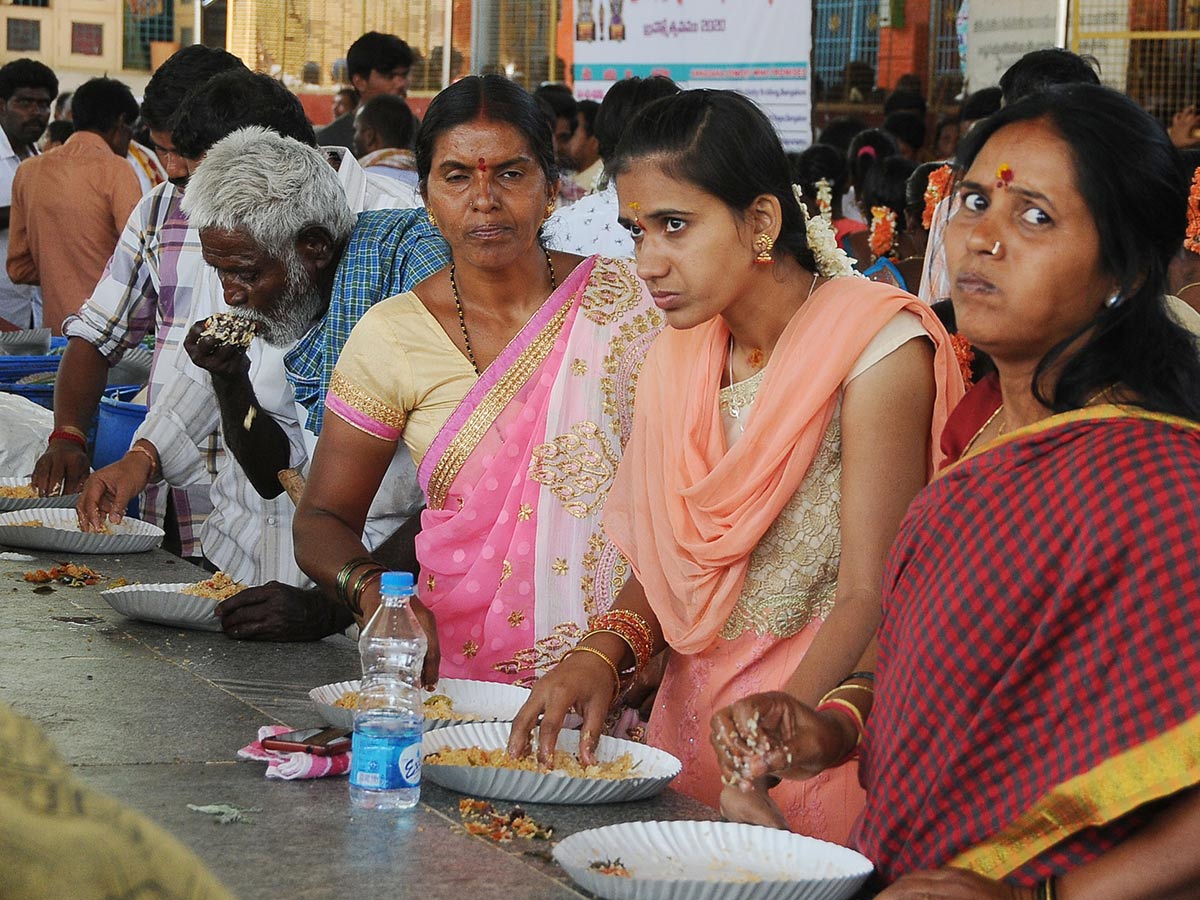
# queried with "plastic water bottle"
point(385, 771)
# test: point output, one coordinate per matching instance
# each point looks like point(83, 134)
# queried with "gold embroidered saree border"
point(1087, 413)
point(1152, 770)
point(492, 404)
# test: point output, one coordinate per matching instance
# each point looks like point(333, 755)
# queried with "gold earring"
point(432, 220)
point(763, 244)
point(550, 207)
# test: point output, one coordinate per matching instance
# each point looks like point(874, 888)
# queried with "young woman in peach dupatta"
point(510, 379)
point(783, 423)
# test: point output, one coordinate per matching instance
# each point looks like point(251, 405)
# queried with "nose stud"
point(995, 249)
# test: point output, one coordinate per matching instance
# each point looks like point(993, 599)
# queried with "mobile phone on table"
point(318, 741)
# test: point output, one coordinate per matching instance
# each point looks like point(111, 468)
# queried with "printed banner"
point(761, 48)
point(999, 32)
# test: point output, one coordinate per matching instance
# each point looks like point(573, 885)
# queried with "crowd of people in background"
point(864, 479)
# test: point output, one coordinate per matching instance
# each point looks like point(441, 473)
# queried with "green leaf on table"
point(224, 813)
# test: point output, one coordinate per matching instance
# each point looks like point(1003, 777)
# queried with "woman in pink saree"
point(510, 378)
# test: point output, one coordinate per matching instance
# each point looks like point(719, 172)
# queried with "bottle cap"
point(396, 582)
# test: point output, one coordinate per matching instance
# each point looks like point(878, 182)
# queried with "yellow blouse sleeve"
point(371, 387)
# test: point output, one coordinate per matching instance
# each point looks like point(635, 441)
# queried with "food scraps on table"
point(225, 814)
point(480, 818)
point(219, 587)
point(564, 763)
point(610, 867)
point(66, 573)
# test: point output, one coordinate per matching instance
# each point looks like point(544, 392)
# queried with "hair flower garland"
point(825, 199)
point(1192, 240)
point(883, 231)
point(935, 190)
point(964, 353)
point(832, 260)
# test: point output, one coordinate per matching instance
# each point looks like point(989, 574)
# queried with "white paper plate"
point(29, 342)
point(711, 861)
point(485, 701)
point(7, 504)
point(656, 768)
point(60, 532)
point(164, 604)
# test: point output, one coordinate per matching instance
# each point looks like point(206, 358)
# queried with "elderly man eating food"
point(298, 265)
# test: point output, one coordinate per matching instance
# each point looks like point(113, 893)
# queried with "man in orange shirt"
point(70, 204)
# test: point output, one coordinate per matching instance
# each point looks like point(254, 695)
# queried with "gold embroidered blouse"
point(793, 570)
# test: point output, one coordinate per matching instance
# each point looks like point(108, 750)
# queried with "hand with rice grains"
point(279, 612)
point(217, 348)
point(583, 682)
point(107, 492)
point(775, 734)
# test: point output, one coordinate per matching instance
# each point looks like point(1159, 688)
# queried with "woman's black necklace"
point(462, 322)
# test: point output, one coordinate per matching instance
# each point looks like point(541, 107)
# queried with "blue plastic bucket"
point(14, 368)
point(119, 419)
point(41, 394)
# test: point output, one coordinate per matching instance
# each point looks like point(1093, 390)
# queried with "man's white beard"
point(292, 314)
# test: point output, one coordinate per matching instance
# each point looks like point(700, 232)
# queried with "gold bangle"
point(342, 581)
point(850, 708)
point(365, 577)
point(849, 687)
point(624, 639)
point(138, 448)
point(71, 429)
point(604, 656)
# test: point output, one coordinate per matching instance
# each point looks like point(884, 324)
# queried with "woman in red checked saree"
point(1033, 730)
point(509, 376)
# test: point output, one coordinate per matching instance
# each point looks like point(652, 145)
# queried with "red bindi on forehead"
point(482, 166)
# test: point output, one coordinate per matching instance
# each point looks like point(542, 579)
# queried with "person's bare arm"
point(886, 416)
point(1160, 862)
point(327, 530)
point(82, 375)
point(329, 521)
point(21, 266)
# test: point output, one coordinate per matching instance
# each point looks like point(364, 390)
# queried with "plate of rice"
point(58, 530)
point(18, 493)
point(186, 605)
point(471, 759)
point(709, 861)
point(455, 701)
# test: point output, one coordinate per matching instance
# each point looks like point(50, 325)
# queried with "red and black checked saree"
point(1039, 679)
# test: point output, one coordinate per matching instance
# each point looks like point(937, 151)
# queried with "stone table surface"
point(153, 715)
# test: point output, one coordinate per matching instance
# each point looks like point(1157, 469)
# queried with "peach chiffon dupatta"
point(686, 510)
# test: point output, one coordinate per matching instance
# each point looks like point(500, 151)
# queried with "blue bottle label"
point(386, 762)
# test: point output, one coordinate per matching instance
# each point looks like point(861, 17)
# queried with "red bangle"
point(63, 435)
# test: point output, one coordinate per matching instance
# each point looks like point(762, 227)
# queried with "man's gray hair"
point(271, 187)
